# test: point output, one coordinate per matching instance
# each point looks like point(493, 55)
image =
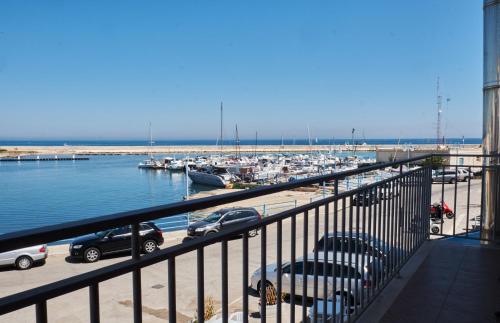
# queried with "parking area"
point(116, 294)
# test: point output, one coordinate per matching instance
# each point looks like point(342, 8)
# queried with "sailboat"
point(151, 163)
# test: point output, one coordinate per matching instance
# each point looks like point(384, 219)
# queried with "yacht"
point(211, 176)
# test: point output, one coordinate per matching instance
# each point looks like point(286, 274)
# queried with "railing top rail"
point(27, 298)
point(71, 229)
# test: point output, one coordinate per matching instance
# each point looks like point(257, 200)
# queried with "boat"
point(211, 176)
point(151, 162)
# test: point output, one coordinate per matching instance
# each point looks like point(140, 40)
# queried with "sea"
point(35, 194)
point(243, 142)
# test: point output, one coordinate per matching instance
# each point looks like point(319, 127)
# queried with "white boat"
point(151, 163)
point(213, 176)
point(176, 165)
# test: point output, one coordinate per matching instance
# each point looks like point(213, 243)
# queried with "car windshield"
point(101, 234)
point(214, 217)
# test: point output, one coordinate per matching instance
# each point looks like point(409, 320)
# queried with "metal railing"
point(367, 235)
point(458, 190)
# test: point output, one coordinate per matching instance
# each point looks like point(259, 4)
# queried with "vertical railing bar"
point(442, 199)
point(172, 310)
point(411, 218)
point(384, 232)
point(363, 246)
point(305, 267)
point(468, 205)
point(325, 260)
point(136, 274)
point(293, 237)
point(455, 200)
point(94, 303)
point(398, 225)
point(406, 209)
point(41, 312)
point(368, 243)
point(224, 272)
point(349, 261)
point(200, 281)
point(263, 280)
point(334, 267)
point(279, 270)
point(482, 200)
point(315, 283)
point(378, 237)
point(356, 259)
point(342, 260)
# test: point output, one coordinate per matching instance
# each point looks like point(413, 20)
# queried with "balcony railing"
point(344, 249)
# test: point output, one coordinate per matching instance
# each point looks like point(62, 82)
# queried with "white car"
point(360, 275)
point(24, 258)
point(466, 174)
point(329, 311)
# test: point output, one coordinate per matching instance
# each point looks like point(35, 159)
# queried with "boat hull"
point(207, 179)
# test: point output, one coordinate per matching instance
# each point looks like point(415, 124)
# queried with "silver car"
point(449, 176)
point(358, 275)
point(24, 258)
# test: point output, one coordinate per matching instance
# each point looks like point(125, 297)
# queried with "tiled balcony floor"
point(459, 281)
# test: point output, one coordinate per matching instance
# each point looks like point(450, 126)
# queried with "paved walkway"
point(459, 281)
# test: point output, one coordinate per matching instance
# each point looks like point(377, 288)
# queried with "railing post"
point(136, 275)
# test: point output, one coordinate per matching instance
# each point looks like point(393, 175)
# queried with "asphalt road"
point(116, 294)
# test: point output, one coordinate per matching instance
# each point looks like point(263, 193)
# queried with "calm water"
point(34, 194)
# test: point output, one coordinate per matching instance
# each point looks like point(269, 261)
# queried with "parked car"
point(91, 247)
point(356, 273)
point(222, 220)
point(329, 311)
point(24, 258)
point(449, 177)
point(366, 244)
point(466, 174)
point(365, 198)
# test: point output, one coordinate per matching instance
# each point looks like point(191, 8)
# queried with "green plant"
point(435, 162)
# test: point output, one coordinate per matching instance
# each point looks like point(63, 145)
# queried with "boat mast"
point(150, 140)
point(238, 154)
point(439, 100)
point(309, 138)
point(255, 152)
point(221, 138)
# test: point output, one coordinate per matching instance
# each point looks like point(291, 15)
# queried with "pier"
point(31, 159)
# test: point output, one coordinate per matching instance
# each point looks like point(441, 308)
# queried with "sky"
point(105, 69)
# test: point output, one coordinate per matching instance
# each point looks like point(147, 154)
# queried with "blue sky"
point(104, 69)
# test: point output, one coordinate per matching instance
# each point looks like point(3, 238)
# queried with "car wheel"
point(24, 262)
point(92, 254)
point(435, 230)
point(252, 233)
point(210, 232)
point(450, 215)
point(452, 181)
point(149, 246)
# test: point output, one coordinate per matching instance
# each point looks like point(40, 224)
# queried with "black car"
point(91, 247)
point(365, 198)
point(222, 220)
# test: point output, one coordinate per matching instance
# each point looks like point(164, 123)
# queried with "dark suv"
point(222, 220)
point(91, 247)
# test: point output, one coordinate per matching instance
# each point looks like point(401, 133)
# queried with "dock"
point(31, 159)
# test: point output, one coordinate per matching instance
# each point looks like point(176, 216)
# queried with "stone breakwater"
point(143, 150)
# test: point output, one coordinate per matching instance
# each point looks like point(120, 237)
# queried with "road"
point(116, 294)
